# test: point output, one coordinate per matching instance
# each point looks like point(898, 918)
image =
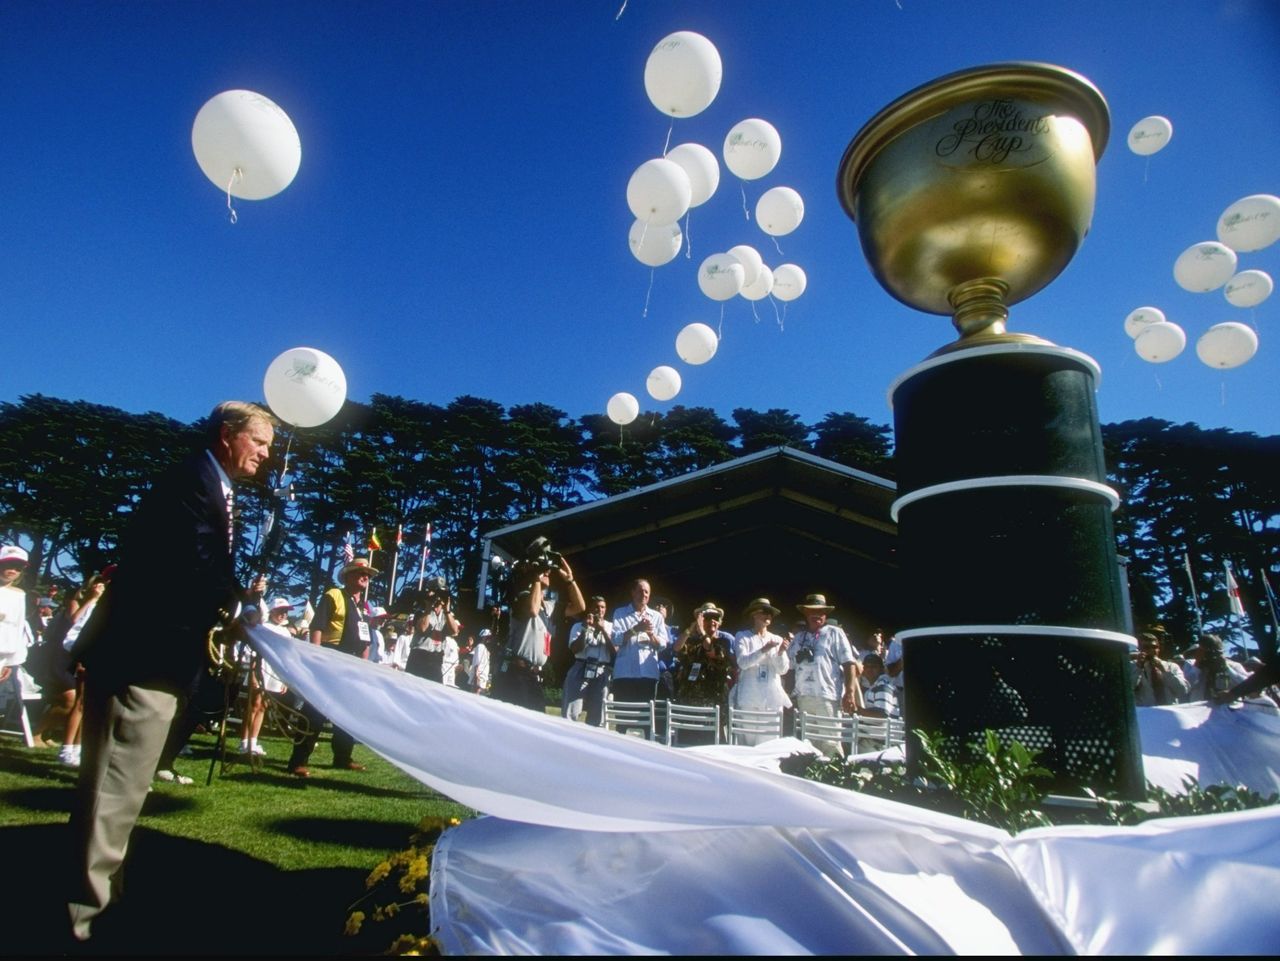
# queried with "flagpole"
point(395, 555)
point(1236, 606)
point(426, 549)
point(1195, 600)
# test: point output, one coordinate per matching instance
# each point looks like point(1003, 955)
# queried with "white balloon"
point(1227, 345)
point(653, 245)
point(751, 263)
point(1248, 288)
point(1205, 266)
point(721, 276)
point(789, 282)
point(1150, 135)
point(752, 148)
point(659, 192)
point(779, 211)
point(1160, 342)
point(696, 344)
point(1251, 223)
point(663, 383)
point(304, 387)
point(243, 140)
point(763, 286)
point(1138, 320)
point(700, 165)
point(623, 408)
point(682, 75)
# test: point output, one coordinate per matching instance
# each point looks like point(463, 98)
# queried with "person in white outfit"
point(762, 660)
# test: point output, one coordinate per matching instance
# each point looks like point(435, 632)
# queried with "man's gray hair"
point(237, 415)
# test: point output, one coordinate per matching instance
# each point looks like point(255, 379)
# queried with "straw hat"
point(815, 602)
point(762, 604)
point(360, 565)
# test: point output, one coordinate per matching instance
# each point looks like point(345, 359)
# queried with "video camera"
point(539, 557)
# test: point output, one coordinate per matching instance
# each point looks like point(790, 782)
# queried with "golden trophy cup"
point(970, 194)
point(974, 191)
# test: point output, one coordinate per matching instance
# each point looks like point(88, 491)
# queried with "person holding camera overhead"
point(826, 670)
point(519, 676)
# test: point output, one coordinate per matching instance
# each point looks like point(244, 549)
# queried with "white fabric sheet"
point(607, 844)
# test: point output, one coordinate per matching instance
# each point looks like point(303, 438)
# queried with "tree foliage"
point(70, 472)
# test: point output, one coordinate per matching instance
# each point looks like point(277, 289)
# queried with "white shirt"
point(479, 673)
point(15, 632)
point(449, 666)
point(638, 655)
point(822, 675)
point(595, 649)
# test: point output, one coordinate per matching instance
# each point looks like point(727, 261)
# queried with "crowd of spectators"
point(634, 652)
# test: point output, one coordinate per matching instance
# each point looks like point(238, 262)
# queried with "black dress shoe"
point(300, 771)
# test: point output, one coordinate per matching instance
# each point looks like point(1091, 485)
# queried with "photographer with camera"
point(826, 669)
point(519, 676)
point(1157, 682)
point(591, 643)
point(435, 632)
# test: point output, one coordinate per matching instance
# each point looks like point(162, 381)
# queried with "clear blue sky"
point(459, 221)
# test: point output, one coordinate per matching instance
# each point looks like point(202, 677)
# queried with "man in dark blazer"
point(178, 546)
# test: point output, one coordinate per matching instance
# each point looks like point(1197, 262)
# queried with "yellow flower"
point(377, 874)
point(354, 921)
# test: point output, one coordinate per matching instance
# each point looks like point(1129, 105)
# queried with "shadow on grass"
point(380, 836)
point(183, 897)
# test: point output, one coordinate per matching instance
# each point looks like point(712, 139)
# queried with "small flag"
point(1233, 591)
point(348, 552)
point(374, 543)
point(426, 544)
point(399, 535)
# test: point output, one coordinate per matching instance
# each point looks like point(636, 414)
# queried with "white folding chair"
point(627, 716)
point(871, 734)
point(689, 717)
point(897, 731)
point(17, 704)
point(755, 725)
point(842, 730)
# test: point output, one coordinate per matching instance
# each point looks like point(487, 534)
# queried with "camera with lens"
point(539, 557)
point(804, 655)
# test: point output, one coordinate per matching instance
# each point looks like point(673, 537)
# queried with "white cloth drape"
point(606, 844)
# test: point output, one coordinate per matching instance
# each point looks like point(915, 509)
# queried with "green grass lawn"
point(256, 862)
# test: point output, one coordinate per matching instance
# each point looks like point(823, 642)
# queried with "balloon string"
point(782, 320)
point(777, 316)
point(753, 312)
point(647, 293)
point(236, 176)
point(620, 9)
point(1146, 169)
point(670, 128)
point(776, 245)
point(688, 237)
point(1159, 386)
point(743, 187)
point(720, 329)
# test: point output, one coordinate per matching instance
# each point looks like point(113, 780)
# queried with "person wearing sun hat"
point(704, 665)
point(15, 631)
point(826, 667)
point(762, 660)
point(341, 621)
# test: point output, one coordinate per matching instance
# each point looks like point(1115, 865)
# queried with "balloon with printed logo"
point(654, 246)
point(721, 276)
point(1251, 223)
point(779, 211)
point(1205, 266)
point(1248, 288)
point(304, 387)
point(752, 148)
point(682, 75)
point(751, 263)
point(1140, 319)
point(789, 282)
point(623, 408)
point(1160, 343)
point(1227, 345)
point(659, 192)
point(696, 344)
point(663, 383)
point(1150, 135)
point(246, 144)
point(762, 287)
point(700, 165)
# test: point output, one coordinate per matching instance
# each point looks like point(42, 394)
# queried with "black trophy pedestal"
point(1008, 553)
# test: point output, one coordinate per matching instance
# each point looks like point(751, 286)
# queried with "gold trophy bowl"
point(974, 191)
